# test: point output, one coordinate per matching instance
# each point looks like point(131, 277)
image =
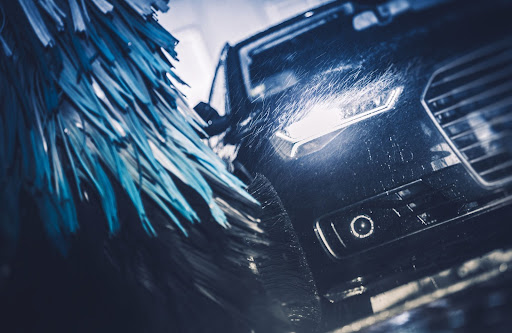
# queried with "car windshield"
point(280, 60)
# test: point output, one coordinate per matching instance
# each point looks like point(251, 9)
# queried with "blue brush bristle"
point(86, 100)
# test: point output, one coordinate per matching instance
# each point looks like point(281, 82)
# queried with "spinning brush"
point(114, 214)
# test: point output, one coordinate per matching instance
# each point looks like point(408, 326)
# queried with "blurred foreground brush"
point(102, 159)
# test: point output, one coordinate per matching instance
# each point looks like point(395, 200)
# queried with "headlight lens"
point(323, 123)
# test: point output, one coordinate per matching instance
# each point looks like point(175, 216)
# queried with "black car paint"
point(371, 158)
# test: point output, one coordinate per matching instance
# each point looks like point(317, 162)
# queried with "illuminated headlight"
point(324, 122)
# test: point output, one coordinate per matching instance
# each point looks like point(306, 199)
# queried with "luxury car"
point(386, 131)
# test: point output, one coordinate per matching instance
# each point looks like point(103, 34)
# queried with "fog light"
point(362, 226)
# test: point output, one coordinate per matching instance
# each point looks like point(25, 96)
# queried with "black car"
point(386, 131)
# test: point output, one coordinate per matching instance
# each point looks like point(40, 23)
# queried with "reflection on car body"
point(386, 131)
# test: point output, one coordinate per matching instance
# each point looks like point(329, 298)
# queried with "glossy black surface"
point(395, 168)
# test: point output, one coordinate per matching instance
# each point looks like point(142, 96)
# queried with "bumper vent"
point(401, 212)
point(470, 100)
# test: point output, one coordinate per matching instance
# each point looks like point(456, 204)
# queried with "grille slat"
point(491, 92)
point(497, 168)
point(470, 100)
point(482, 125)
point(486, 141)
point(487, 156)
point(493, 107)
point(489, 63)
point(506, 72)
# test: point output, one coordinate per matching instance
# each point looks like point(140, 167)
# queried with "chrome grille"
point(470, 100)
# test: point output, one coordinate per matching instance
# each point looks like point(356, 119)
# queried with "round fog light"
point(361, 226)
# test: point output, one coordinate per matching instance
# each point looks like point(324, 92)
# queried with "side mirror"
point(216, 124)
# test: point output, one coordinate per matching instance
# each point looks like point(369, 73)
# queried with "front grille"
point(470, 100)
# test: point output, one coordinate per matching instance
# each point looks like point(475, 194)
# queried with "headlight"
point(324, 122)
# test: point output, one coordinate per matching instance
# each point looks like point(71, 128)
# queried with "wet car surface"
point(385, 131)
